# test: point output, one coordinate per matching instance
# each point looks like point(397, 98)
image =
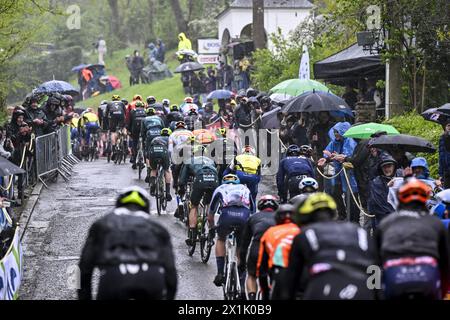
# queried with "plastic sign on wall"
point(11, 268)
point(209, 46)
point(208, 59)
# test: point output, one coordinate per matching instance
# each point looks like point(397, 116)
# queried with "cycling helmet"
point(193, 112)
point(306, 151)
point(249, 150)
point(174, 108)
point(166, 132)
point(293, 151)
point(414, 191)
point(104, 102)
point(115, 97)
point(151, 100)
point(231, 179)
point(191, 139)
point(166, 102)
point(308, 185)
point(151, 111)
point(137, 97)
point(284, 213)
point(298, 199)
point(268, 203)
point(180, 124)
point(222, 132)
point(139, 104)
point(304, 211)
point(134, 195)
point(189, 100)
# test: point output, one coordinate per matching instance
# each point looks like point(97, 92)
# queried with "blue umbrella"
point(79, 67)
point(56, 86)
point(220, 94)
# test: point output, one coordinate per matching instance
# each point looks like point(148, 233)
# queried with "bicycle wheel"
point(231, 288)
point(162, 184)
point(205, 247)
point(158, 193)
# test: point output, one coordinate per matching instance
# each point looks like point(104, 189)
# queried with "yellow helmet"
point(305, 209)
point(166, 132)
point(115, 97)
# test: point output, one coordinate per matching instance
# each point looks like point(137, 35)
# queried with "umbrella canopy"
point(280, 97)
point(269, 120)
point(403, 142)
point(317, 101)
point(116, 84)
point(189, 66)
point(364, 131)
point(220, 94)
point(445, 109)
point(436, 116)
point(79, 67)
point(296, 87)
point(7, 168)
point(56, 86)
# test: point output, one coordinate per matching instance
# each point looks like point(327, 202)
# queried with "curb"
point(25, 217)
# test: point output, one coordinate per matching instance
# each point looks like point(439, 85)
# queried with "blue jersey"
point(291, 167)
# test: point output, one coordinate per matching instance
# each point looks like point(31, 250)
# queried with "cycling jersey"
point(115, 112)
point(151, 128)
point(158, 153)
point(275, 246)
point(228, 195)
point(290, 168)
point(178, 137)
point(187, 107)
point(247, 163)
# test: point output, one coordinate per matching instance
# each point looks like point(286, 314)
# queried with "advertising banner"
point(208, 59)
point(209, 46)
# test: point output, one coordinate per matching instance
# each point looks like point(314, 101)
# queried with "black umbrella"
point(316, 101)
point(7, 168)
point(189, 66)
point(445, 109)
point(403, 142)
point(434, 115)
point(269, 120)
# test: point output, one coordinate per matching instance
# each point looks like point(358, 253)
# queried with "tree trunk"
point(115, 17)
point(178, 13)
point(259, 35)
point(151, 19)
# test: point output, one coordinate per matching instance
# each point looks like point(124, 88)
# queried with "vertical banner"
point(304, 72)
point(11, 270)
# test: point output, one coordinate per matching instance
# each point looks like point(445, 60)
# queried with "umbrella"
point(434, 115)
point(79, 67)
point(403, 142)
point(116, 84)
point(445, 109)
point(280, 97)
point(364, 131)
point(187, 53)
point(189, 66)
point(269, 120)
point(296, 87)
point(317, 101)
point(56, 86)
point(7, 168)
point(220, 94)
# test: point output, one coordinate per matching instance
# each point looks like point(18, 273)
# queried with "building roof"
point(270, 4)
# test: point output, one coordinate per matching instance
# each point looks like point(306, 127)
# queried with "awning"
point(349, 64)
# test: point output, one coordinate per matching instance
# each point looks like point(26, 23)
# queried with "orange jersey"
point(276, 243)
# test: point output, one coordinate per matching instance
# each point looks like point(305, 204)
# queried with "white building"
point(236, 20)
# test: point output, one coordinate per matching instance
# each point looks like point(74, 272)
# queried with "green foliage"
point(413, 124)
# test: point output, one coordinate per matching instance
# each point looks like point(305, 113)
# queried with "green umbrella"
point(364, 131)
point(296, 87)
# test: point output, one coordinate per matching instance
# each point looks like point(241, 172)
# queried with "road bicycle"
point(232, 285)
point(93, 146)
point(120, 150)
point(160, 194)
point(140, 159)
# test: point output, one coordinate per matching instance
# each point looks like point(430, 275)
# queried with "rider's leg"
point(152, 182)
point(193, 217)
point(168, 177)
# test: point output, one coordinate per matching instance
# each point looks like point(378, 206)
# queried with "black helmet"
point(135, 196)
point(293, 151)
point(151, 100)
point(306, 151)
point(284, 214)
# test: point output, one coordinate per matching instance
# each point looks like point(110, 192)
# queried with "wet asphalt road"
point(63, 215)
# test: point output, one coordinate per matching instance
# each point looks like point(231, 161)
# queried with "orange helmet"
point(137, 97)
point(414, 190)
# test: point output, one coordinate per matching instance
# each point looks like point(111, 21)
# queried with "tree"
point(179, 17)
point(116, 17)
point(259, 35)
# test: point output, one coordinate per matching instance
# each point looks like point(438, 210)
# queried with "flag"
point(304, 65)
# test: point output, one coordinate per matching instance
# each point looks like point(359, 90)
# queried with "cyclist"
point(274, 248)
point(233, 201)
point(227, 150)
point(204, 174)
point(414, 244)
point(102, 115)
point(151, 101)
point(187, 106)
point(335, 254)
point(176, 142)
point(130, 107)
point(151, 128)
point(133, 252)
point(134, 127)
point(308, 186)
point(247, 167)
point(115, 116)
point(292, 170)
point(193, 120)
point(174, 116)
point(89, 124)
point(166, 105)
point(159, 154)
point(253, 230)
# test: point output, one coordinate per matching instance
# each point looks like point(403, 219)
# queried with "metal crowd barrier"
point(54, 154)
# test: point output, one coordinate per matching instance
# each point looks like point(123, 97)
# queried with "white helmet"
point(308, 185)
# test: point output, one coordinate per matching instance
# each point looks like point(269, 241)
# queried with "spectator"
point(36, 116)
point(152, 53)
point(238, 78)
point(5, 144)
point(227, 76)
point(137, 64)
point(161, 53)
point(377, 202)
point(211, 81)
point(444, 156)
point(300, 136)
point(102, 49)
point(421, 171)
point(184, 43)
point(319, 133)
point(243, 115)
point(350, 96)
point(53, 112)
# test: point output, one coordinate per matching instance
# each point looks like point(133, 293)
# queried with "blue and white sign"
point(209, 46)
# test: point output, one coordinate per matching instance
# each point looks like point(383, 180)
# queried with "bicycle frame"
point(231, 259)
